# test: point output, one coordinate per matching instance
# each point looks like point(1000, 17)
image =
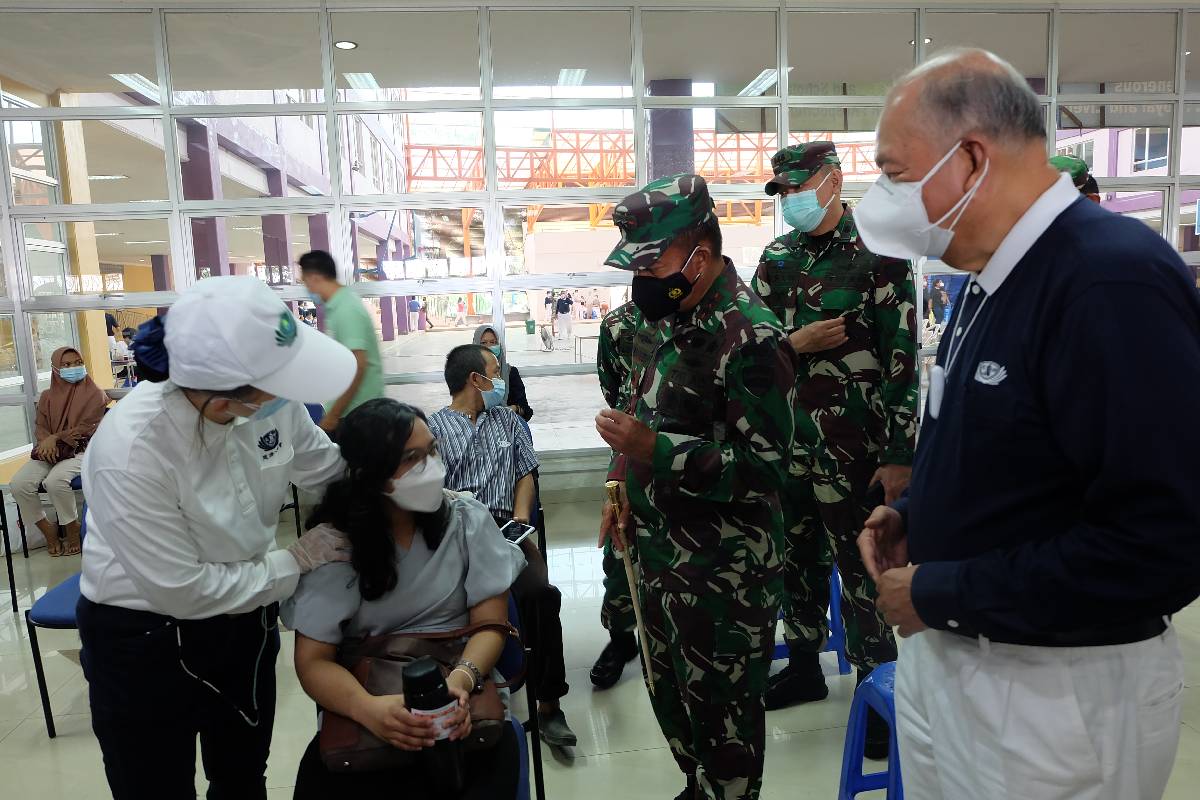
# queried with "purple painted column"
point(387, 318)
point(202, 181)
point(277, 230)
point(670, 136)
point(160, 268)
point(318, 232)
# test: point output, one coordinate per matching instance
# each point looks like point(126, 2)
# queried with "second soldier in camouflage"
point(703, 457)
point(614, 356)
point(850, 314)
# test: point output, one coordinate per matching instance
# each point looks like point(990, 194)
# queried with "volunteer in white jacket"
point(181, 578)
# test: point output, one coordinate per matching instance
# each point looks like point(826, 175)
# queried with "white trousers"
point(564, 326)
point(57, 480)
point(991, 721)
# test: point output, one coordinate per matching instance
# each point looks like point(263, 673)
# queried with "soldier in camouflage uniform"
point(1080, 175)
point(703, 458)
point(613, 360)
point(851, 317)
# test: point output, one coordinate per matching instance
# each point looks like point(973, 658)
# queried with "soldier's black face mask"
point(660, 297)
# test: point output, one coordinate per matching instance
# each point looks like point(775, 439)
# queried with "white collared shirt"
point(1028, 229)
point(187, 529)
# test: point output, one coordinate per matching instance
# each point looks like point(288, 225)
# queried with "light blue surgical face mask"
point(802, 211)
point(495, 396)
point(268, 408)
point(497, 350)
point(73, 374)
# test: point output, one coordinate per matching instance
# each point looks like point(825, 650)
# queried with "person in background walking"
point(347, 321)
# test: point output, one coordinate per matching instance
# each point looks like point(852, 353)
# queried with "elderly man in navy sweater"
point(1053, 521)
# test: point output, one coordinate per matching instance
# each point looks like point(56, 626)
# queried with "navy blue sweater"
point(1065, 497)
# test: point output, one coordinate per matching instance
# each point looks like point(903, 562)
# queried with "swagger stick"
point(614, 502)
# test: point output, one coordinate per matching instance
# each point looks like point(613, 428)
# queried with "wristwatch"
point(467, 666)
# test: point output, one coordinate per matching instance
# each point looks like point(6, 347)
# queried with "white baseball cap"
point(232, 331)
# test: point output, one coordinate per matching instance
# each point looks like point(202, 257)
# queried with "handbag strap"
point(369, 643)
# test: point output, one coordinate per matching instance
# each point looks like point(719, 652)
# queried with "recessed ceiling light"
point(362, 80)
point(571, 76)
point(150, 241)
point(108, 177)
point(1187, 52)
point(345, 44)
point(98, 235)
point(248, 228)
point(926, 40)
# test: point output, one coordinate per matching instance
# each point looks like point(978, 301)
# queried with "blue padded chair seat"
point(56, 608)
point(315, 410)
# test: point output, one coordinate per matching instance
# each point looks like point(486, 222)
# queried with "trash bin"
point(530, 327)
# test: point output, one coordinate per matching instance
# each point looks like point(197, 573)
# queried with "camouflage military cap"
point(796, 164)
point(1077, 168)
point(651, 219)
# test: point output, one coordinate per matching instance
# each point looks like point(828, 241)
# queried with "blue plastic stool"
point(837, 629)
point(878, 691)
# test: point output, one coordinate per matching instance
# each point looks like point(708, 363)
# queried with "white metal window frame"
point(178, 212)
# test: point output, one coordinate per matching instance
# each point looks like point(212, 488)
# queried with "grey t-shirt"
point(435, 590)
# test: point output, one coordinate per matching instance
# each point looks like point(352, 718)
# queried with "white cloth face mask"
point(420, 489)
point(892, 220)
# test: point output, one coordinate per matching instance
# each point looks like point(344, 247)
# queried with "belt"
point(1110, 635)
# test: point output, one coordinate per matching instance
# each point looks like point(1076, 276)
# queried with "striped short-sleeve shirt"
point(487, 457)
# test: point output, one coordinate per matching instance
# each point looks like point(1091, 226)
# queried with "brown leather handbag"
point(377, 662)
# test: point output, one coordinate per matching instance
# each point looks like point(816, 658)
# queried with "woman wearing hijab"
point(515, 388)
point(182, 577)
point(67, 415)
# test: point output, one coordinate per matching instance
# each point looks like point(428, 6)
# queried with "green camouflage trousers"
point(616, 614)
point(823, 513)
point(710, 655)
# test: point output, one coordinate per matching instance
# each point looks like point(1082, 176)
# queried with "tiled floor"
point(620, 754)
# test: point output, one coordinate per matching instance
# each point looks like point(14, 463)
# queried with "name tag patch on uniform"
point(989, 373)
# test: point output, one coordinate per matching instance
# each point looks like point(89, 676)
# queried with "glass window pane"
point(414, 244)
point(3, 281)
point(1146, 206)
point(425, 152)
point(86, 161)
point(1188, 236)
point(579, 54)
point(564, 147)
point(235, 57)
point(1019, 39)
point(819, 41)
point(1191, 54)
point(1095, 53)
point(132, 255)
point(542, 239)
point(552, 342)
point(1122, 140)
point(14, 434)
point(688, 54)
point(406, 55)
point(851, 129)
point(88, 332)
point(236, 158)
point(1189, 157)
point(266, 246)
point(725, 145)
point(416, 332)
point(564, 407)
point(11, 381)
point(78, 59)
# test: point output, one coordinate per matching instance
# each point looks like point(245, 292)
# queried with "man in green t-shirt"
point(347, 321)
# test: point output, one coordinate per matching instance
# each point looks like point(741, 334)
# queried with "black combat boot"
point(801, 681)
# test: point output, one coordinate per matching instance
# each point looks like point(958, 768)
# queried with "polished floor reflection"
point(620, 753)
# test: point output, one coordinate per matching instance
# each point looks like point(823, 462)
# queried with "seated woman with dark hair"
point(423, 560)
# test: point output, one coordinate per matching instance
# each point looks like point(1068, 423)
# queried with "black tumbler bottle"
point(427, 696)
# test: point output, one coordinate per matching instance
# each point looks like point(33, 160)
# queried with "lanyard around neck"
point(954, 350)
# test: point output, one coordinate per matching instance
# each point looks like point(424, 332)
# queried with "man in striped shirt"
point(488, 451)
